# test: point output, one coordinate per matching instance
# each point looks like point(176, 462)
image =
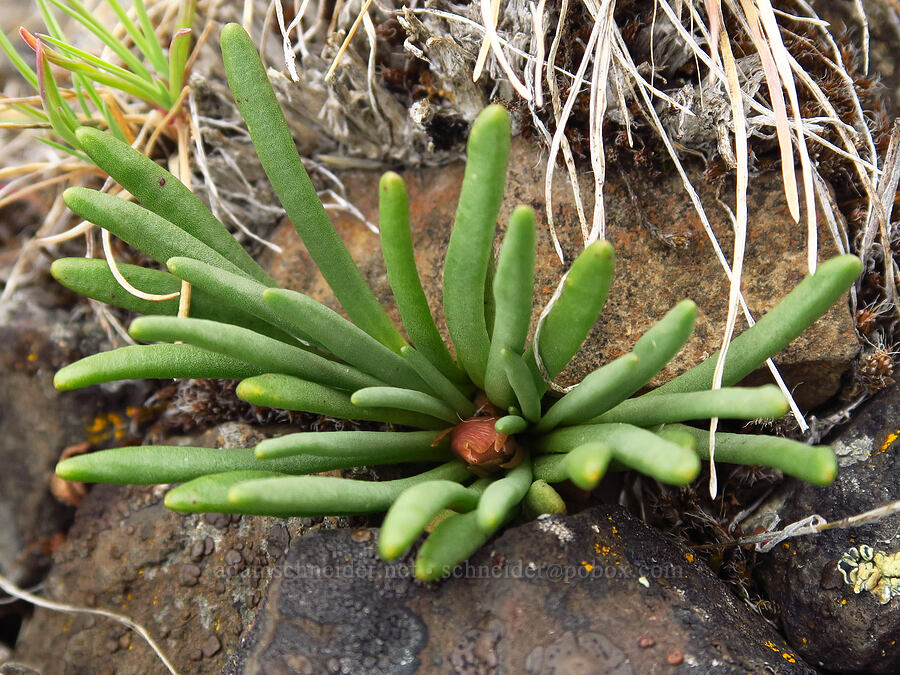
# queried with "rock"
point(150, 577)
point(17, 669)
point(192, 581)
point(38, 337)
point(823, 618)
point(652, 275)
point(595, 592)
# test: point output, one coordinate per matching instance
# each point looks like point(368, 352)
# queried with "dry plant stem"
point(491, 35)
point(597, 112)
point(650, 109)
point(740, 236)
point(486, 43)
point(346, 43)
point(13, 590)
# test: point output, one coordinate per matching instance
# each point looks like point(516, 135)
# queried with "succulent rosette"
point(481, 412)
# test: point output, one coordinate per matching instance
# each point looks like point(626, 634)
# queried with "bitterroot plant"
point(479, 413)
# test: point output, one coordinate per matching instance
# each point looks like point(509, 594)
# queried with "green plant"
point(484, 411)
point(147, 72)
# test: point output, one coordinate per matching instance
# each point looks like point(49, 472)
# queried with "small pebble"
point(111, 646)
point(210, 646)
point(300, 664)
point(218, 520)
point(675, 657)
point(195, 655)
point(646, 642)
point(197, 551)
point(129, 530)
point(361, 535)
point(125, 641)
point(190, 575)
point(232, 557)
point(208, 546)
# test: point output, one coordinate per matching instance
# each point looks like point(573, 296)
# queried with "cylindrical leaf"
point(776, 330)
point(415, 508)
point(165, 195)
point(513, 289)
point(292, 393)
point(765, 402)
point(325, 495)
point(270, 356)
point(469, 250)
point(575, 312)
point(277, 152)
point(161, 361)
point(400, 262)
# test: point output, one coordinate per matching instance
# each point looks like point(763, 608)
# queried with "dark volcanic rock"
point(598, 592)
point(168, 572)
point(38, 337)
point(825, 621)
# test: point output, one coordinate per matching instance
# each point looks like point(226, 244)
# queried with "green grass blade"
point(513, 290)
point(85, 17)
point(18, 62)
point(143, 229)
point(776, 330)
point(815, 464)
point(64, 148)
point(443, 387)
point(327, 496)
point(404, 399)
point(342, 338)
point(399, 260)
point(149, 44)
point(270, 356)
point(766, 402)
point(58, 111)
point(178, 53)
point(166, 196)
point(469, 250)
point(376, 447)
point(291, 393)
point(634, 447)
point(81, 61)
point(415, 508)
point(151, 362)
point(569, 321)
point(275, 146)
point(158, 464)
point(503, 495)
